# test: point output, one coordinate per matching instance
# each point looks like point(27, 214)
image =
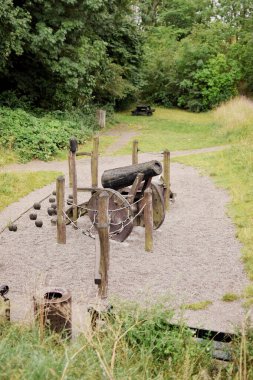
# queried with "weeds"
point(198, 305)
point(230, 297)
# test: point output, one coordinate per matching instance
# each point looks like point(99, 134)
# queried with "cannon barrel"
point(122, 177)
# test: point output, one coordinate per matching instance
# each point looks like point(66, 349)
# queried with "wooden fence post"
point(73, 149)
point(135, 152)
point(166, 176)
point(94, 162)
point(101, 116)
point(148, 220)
point(70, 169)
point(103, 232)
point(60, 197)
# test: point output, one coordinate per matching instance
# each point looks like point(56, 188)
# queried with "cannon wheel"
point(121, 220)
point(158, 207)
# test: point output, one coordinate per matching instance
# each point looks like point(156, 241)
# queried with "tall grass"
point(235, 117)
point(132, 344)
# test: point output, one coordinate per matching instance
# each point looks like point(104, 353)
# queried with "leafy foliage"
point(197, 54)
point(41, 137)
point(60, 54)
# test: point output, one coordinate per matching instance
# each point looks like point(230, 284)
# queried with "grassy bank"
point(14, 186)
point(133, 344)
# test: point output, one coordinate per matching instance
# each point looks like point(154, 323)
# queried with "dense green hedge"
point(42, 136)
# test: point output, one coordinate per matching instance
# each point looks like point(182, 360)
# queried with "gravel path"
point(196, 255)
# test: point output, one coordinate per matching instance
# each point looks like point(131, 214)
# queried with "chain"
point(130, 221)
point(84, 232)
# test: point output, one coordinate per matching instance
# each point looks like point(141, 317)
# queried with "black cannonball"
point(51, 200)
point(38, 223)
point(33, 216)
point(69, 202)
point(54, 192)
point(37, 206)
point(50, 211)
point(54, 206)
point(13, 227)
point(70, 196)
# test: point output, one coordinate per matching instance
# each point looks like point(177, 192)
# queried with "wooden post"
point(135, 152)
point(166, 176)
point(61, 223)
point(73, 148)
point(101, 116)
point(70, 169)
point(103, 232)
point(148, 220)
point(94, 162)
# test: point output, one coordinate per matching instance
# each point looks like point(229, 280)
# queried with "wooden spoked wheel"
point(157, 203)
point(120, 214)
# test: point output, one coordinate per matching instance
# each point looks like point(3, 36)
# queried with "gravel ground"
point(196, 255)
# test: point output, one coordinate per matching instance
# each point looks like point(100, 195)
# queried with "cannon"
point(126, 186)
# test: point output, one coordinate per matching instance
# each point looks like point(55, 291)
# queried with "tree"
point(67, 48)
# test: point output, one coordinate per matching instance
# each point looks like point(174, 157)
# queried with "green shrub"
point(42, 136)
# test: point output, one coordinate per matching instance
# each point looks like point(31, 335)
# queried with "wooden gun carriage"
point(126, 186)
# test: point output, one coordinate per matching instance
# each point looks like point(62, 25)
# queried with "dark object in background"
point(143, 110)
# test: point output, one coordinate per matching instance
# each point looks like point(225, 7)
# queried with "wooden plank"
point(103, 232)
point(135, 187)
point(83, 154)
point(86, 189)
point(148, 220)
point(60, 199)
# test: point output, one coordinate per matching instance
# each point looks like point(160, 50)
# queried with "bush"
point(42, 136)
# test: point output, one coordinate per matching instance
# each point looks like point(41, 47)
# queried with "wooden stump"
point(101, 117)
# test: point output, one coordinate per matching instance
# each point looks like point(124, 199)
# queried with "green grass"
point(197, 305)
point(134, 344)
point(14, 186)
point(230, 297)
point(171, 129)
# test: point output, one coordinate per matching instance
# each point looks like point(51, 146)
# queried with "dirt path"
point(196, 255)
point(37, 165)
